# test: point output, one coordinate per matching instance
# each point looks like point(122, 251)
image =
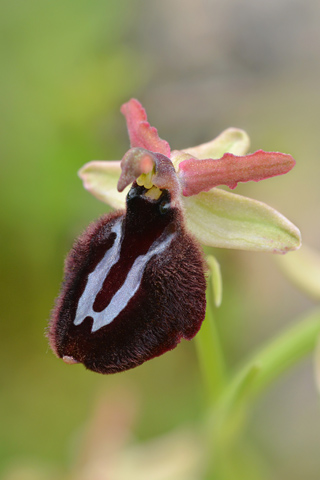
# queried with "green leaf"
point(223, 219)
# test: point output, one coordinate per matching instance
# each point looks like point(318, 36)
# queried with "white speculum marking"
point(122, 297)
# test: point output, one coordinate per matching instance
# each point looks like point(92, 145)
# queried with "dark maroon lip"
point(146, 290)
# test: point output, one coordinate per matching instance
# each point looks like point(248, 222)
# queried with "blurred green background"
point(198, 66)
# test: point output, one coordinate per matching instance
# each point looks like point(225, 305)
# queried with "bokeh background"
point(198, 67)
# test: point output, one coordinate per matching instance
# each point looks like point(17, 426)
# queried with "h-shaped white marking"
point(122, 297)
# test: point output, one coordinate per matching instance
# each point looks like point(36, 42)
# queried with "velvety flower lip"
point(216, 217)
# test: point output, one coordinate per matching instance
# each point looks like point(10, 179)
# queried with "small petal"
point(140, 132)
point(303, 269)
point(201, 175)
point(232, 140)
point(223, 219)
point(100, 178)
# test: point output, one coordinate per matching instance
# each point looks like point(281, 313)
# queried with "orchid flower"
point(135, 280)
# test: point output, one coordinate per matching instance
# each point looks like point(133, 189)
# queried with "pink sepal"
point(202, 175)
point(140, 132)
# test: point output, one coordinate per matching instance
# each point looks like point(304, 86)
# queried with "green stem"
point(284, 351)
point(210, 355)
point(266, 366)
point(229, 416)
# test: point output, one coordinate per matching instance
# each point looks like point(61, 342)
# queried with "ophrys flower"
point(135, 280)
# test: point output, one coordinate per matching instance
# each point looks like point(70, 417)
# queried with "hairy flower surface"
point(135, 279)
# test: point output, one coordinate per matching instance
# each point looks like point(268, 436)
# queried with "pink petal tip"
point(140, 132)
